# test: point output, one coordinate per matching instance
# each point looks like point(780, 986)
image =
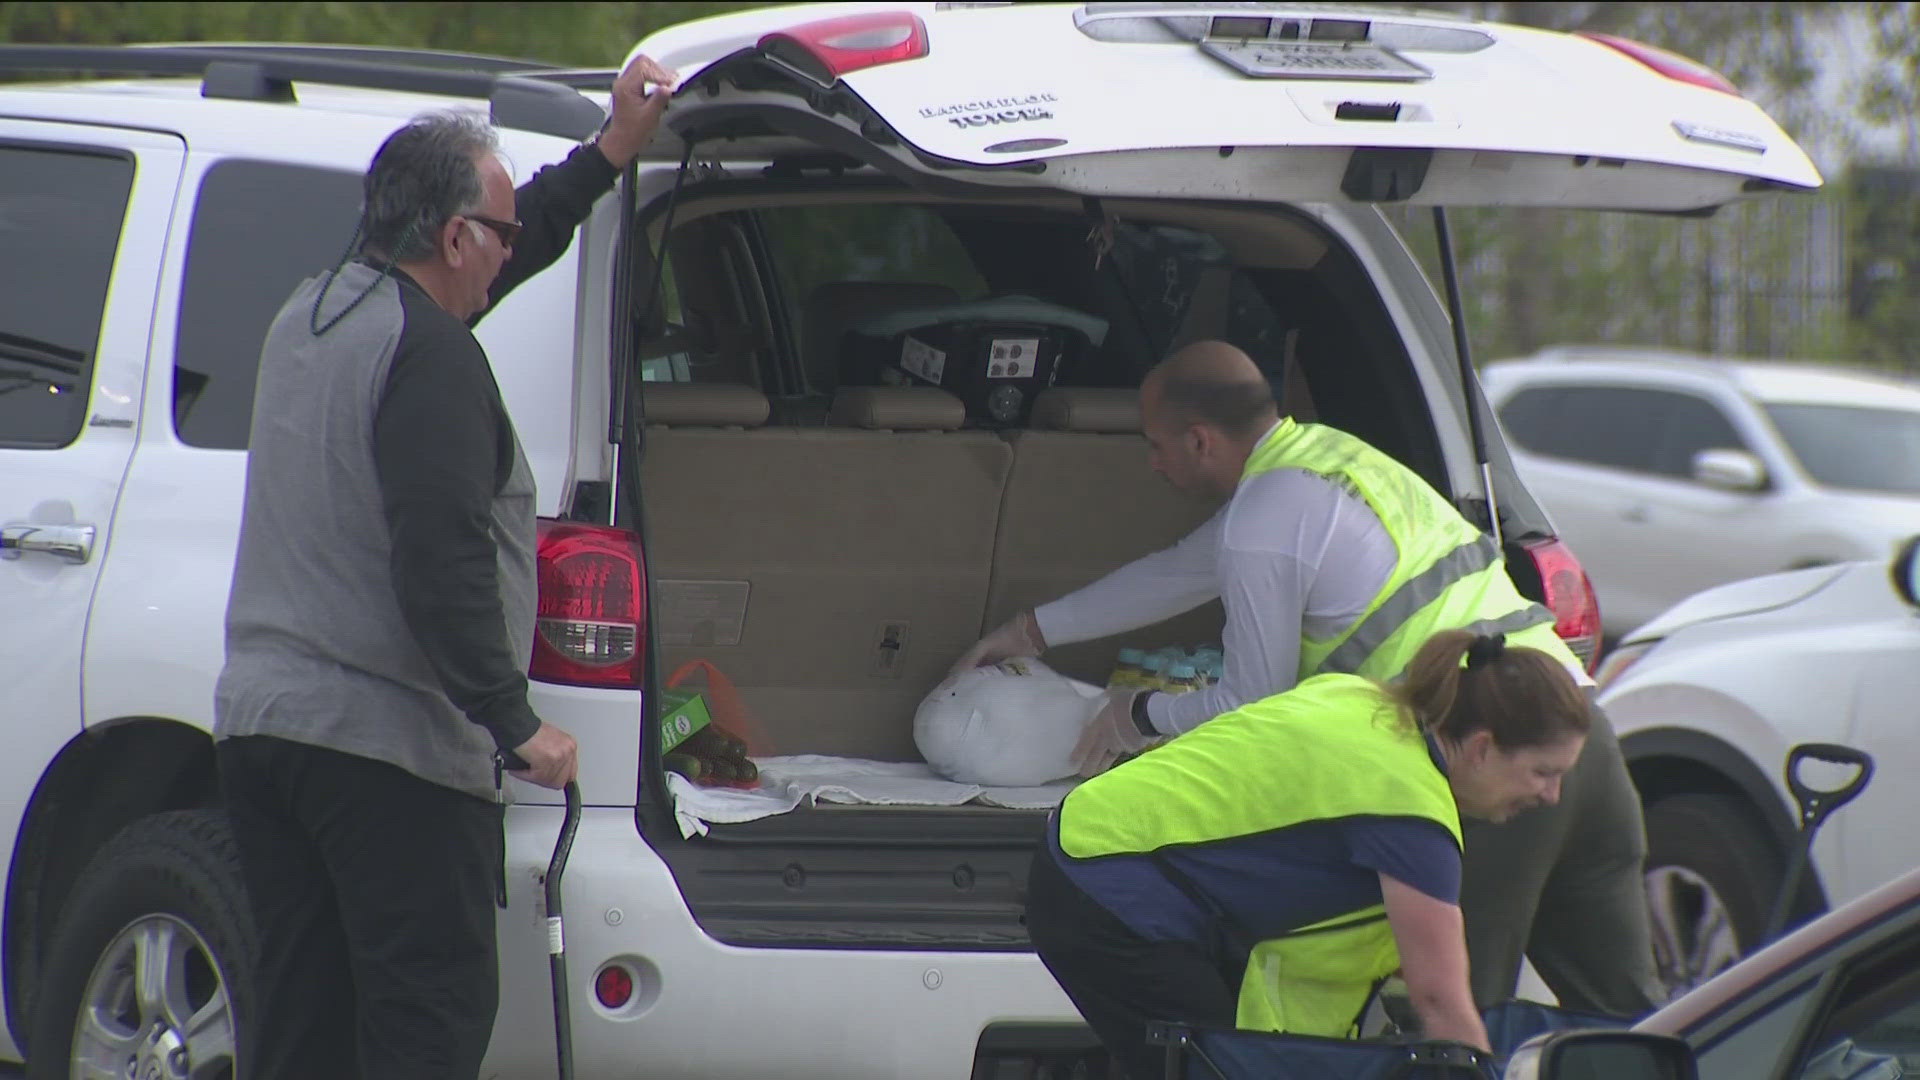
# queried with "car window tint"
point(1845, 446)
point(1530, 416)
point(835, 262)
point(1694, 424)
point(60, 217)
point(1872, 1025)
point(1756, 1043)
point(259, 229)
point(710, 321)
point(1614, 426)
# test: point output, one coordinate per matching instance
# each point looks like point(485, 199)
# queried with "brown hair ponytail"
point(1460, 682)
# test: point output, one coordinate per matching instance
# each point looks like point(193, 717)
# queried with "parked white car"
point(1709, 697)
point(1669, 473)
point(718, 480)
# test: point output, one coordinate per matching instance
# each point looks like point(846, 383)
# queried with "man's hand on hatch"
point(636, 113)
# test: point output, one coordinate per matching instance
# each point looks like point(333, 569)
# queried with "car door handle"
point(1635, 514)
point(74, 543)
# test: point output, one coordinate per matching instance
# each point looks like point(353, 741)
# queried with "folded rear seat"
point(1079, 503)
point(833, 573)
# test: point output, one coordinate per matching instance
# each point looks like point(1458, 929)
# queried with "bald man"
point(1328, 555)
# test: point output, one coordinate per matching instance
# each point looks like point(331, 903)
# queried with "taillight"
point(830, 48)
point(1569, 595)
point(591, 629)
point(1671, 64)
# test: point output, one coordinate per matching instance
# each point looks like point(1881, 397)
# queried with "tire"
point(1711, 877)
point(165, 894)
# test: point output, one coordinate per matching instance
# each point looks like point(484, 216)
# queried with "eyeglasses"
point(507, 231)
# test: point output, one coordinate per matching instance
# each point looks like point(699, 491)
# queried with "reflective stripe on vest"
point(1447, 574)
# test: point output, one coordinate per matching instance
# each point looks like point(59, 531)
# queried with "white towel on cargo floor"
point(786, 782)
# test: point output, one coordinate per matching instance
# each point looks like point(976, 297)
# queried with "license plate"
point(1309, 60)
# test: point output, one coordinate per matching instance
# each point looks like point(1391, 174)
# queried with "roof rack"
point(518, 96)
point(434, 59)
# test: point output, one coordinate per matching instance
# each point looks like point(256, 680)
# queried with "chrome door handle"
point(74, 543)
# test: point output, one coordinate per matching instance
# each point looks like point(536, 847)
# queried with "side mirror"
point(1602, 1055)
point(1906, 565)
point(1730, 470)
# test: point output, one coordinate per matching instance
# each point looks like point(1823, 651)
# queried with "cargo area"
point(834, 573)
point(831, 522)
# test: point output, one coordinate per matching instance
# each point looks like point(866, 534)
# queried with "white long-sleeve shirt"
point(1290, 553)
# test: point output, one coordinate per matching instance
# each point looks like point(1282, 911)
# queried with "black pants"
point(373, 891)
point(1563, 886)
point(1119, 980)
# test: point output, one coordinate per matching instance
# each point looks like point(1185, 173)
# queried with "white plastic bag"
point(1011, 724)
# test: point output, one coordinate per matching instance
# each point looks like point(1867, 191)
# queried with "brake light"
point(1671, 64)
point(830, 48)
point(1565, 590)
point(591, 627)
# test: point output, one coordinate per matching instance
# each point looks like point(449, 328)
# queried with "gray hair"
point(423, 175)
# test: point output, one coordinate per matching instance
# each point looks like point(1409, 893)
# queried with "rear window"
point(1845, 446)
point(60, 217)
point(259, 229)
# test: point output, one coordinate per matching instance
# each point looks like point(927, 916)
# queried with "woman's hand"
point(1433, 961)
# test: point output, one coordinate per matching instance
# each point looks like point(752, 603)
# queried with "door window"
point(259, 229)
point(1613, 426)
point(1872, 1024)
point(1694, 424)
point(61, 211)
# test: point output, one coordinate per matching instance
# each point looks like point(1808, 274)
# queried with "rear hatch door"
point(1266, 102)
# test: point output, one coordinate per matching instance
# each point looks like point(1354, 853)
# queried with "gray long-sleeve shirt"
point(384, 588)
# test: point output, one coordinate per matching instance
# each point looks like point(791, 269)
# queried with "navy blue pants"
point(1119, 980)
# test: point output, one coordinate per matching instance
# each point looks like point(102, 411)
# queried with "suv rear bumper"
point(708, 1009)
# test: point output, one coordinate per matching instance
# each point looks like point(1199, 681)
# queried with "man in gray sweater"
point(382, 611)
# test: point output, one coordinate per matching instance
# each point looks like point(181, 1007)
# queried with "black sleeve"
point(551, 206)
point(442, 449)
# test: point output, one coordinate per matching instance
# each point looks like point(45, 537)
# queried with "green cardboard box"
point(686, 712)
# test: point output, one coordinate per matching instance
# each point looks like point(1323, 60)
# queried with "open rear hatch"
point(1266, 102)
point(1263, 103)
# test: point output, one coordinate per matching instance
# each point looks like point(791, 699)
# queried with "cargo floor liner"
point(787, 782)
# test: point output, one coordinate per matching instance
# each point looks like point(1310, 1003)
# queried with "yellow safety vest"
point(1449, 575)
point(1332, 747)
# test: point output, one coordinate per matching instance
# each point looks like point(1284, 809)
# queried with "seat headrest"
point(900, 408)
point(1088, 409)
point(703, 404)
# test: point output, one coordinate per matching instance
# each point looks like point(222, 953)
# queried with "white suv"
point(1671, 473)
point(775, 491)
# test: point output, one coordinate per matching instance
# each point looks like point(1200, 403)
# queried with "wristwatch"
point(1140, 718)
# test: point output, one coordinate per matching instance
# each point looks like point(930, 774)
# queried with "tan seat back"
point(1080, 502)
point(833, 573)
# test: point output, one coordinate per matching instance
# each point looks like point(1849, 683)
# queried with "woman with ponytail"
point(1268, 869)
